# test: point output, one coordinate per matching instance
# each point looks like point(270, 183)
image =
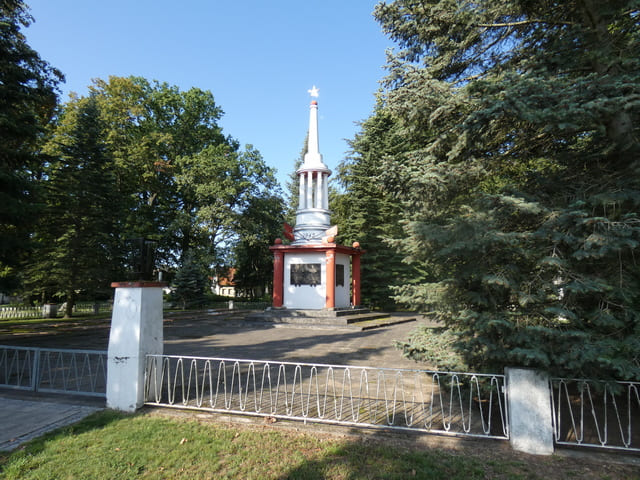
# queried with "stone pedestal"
point(136, 330)
point(50, 310)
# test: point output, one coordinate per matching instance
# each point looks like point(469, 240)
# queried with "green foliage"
point(155, 134)
point(368, 213)
point(519, 177)
point(257, 228)
point(435, 346)
point(28, 87)
point(139, 159)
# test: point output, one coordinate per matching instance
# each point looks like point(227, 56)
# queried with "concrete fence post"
point(136, 330)
point(530, 411)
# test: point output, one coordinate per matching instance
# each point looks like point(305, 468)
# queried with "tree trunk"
point(619, 125)
point(71, 300)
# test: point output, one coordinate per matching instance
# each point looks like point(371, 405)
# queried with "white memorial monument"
point(313, 272)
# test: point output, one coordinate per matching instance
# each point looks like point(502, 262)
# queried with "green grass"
point(110, 445)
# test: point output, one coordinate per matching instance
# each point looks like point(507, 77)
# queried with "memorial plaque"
point(306, 274)
point(339, 275)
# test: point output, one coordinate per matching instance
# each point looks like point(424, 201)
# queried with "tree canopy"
point(138, 159)
point(519, 177)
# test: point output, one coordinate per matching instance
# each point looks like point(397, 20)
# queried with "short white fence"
point(439, 402)
point(21, 312)
point(591, 413)
point(78, 372)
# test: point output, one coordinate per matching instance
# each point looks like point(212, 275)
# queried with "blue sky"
point(258, 58)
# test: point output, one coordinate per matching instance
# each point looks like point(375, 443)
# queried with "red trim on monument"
point(330, 295)
point(278, 279)
point(321, 247)
point(355, 280)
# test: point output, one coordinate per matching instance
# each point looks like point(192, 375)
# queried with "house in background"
point(223, 284)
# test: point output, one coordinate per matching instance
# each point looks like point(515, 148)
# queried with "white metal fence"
point(591, 413)
point(22, 312)
point(79, 372)
point(439, 402)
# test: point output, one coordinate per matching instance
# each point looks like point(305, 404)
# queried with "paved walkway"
point(23, 417)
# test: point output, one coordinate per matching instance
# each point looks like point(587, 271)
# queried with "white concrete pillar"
point(136, 330)
point(530, 411)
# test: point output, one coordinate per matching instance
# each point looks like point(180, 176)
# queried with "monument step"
point(362, 320)
point(381, 322)
point(322, 313)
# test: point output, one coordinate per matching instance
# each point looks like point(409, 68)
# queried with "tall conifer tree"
point(28, 88)
point(78, 236)
point(367, 213)
point(522, 186)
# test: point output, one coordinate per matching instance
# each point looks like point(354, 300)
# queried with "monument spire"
point(313, 156)
point(312, 216)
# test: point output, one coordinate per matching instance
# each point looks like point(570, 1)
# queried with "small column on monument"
point(355, 276)
point(309, 189)
point(325, 196)
point(319, 190)
point(302, 196)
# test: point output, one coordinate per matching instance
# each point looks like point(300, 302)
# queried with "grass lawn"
point(110, 445)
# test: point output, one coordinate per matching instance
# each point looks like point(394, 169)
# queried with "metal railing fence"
point(23, 312)
point(592, 413)
point(79, 372)
point(440, 402)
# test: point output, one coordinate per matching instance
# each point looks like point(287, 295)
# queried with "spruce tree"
point(521, 186)
point(368, 214)
point(190, 281)
point(77, 240)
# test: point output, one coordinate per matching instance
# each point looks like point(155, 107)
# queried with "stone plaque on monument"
point(306, 274)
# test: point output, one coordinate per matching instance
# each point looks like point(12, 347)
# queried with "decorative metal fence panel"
point(591, 413)
point(18, 367)
point(439, 402)
point(21, 312)
point(79, 372)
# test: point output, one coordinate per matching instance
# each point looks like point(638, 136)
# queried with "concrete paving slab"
point(22, 420)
